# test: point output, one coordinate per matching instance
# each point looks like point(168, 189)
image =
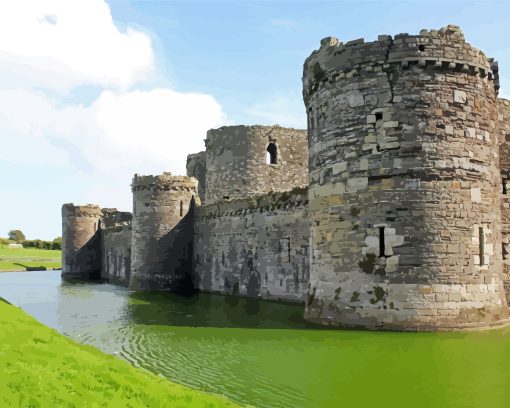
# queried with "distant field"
point(14, 259)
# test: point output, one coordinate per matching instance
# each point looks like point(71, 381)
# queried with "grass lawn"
point(17, 259)
point(41, 368)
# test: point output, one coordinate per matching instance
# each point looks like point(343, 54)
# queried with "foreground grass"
point(41, 368)
point(18, 259)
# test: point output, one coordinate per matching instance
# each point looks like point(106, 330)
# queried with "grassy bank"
point(41, 368)
point(18, 259)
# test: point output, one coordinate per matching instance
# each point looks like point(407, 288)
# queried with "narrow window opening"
point(182, 208)
point(95, 227)
point(504, 251)
point(481, 240)
point(225, 197)
point(382, 244)
point(504, 181)
point(288, 247)
point(421, 47)
point(378, 116)
point(271, 156)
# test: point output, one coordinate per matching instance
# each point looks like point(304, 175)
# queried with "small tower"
point(81, 250)
point(162, 232)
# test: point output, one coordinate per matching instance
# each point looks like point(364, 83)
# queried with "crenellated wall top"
point(165, 181)
point(442, 49)
point(86, 210)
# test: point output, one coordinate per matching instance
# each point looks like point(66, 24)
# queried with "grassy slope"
point(17, 259)
point(41, 368)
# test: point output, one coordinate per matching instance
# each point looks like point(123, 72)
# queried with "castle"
point(392, 211)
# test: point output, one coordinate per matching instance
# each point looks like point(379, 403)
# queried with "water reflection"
point(210, 310)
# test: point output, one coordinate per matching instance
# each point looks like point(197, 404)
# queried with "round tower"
point(162, 233)
point(244, 161)
point(404, 184)
point(81, 251)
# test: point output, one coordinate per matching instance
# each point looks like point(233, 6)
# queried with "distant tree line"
point(17, 237)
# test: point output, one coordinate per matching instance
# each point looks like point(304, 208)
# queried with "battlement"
point(87, 210)
point(113, 218)
point(443, 49)
point(165, 181)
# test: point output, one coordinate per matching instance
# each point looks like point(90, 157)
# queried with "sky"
point(92, 92)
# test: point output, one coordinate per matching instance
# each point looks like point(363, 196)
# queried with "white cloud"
point(118, 134)
point(50, 49)
point(59, 44)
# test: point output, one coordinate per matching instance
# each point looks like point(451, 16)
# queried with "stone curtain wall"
point(504, 160)
point(116, 246)
point(81, 249)
point(236, 161)
point(195, 167)
point(162, 231)
point(404, 183)
point(256, 247)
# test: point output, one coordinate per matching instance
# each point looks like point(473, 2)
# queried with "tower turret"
point(404, 184)
point(162, 231)
point(81, 250)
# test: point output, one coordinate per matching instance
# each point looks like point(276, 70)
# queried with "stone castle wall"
point(162, 231)
point(195, 167)
point(404, 184)
point(504, 161)
point(81, 249)
point(236, 161)
point(392, 211)
point(256, 247)
point(116, 246)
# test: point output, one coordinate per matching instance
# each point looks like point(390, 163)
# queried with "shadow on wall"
point(213, 310)
point(87, 260)
point(176, 249)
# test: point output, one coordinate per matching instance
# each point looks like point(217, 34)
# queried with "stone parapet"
point(443, 49)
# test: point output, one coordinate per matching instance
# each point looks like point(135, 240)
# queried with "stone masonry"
point(81, 252)
point(195, 167)
point(161, 246)
point(237, 167)
point(404, 184)
point(391, 212)
point(504, 165)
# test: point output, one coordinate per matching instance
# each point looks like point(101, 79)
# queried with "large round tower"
point(81, 250)
point(404, 184)
point(244, 161)
point(161, 252)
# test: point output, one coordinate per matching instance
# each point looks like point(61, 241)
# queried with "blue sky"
point(94, 92)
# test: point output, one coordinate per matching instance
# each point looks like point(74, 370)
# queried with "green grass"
point(41, 368)
point(17, 259)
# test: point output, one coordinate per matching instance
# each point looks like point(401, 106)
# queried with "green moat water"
point(264, 354)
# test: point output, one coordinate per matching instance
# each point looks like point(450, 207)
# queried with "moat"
point(263, 353)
